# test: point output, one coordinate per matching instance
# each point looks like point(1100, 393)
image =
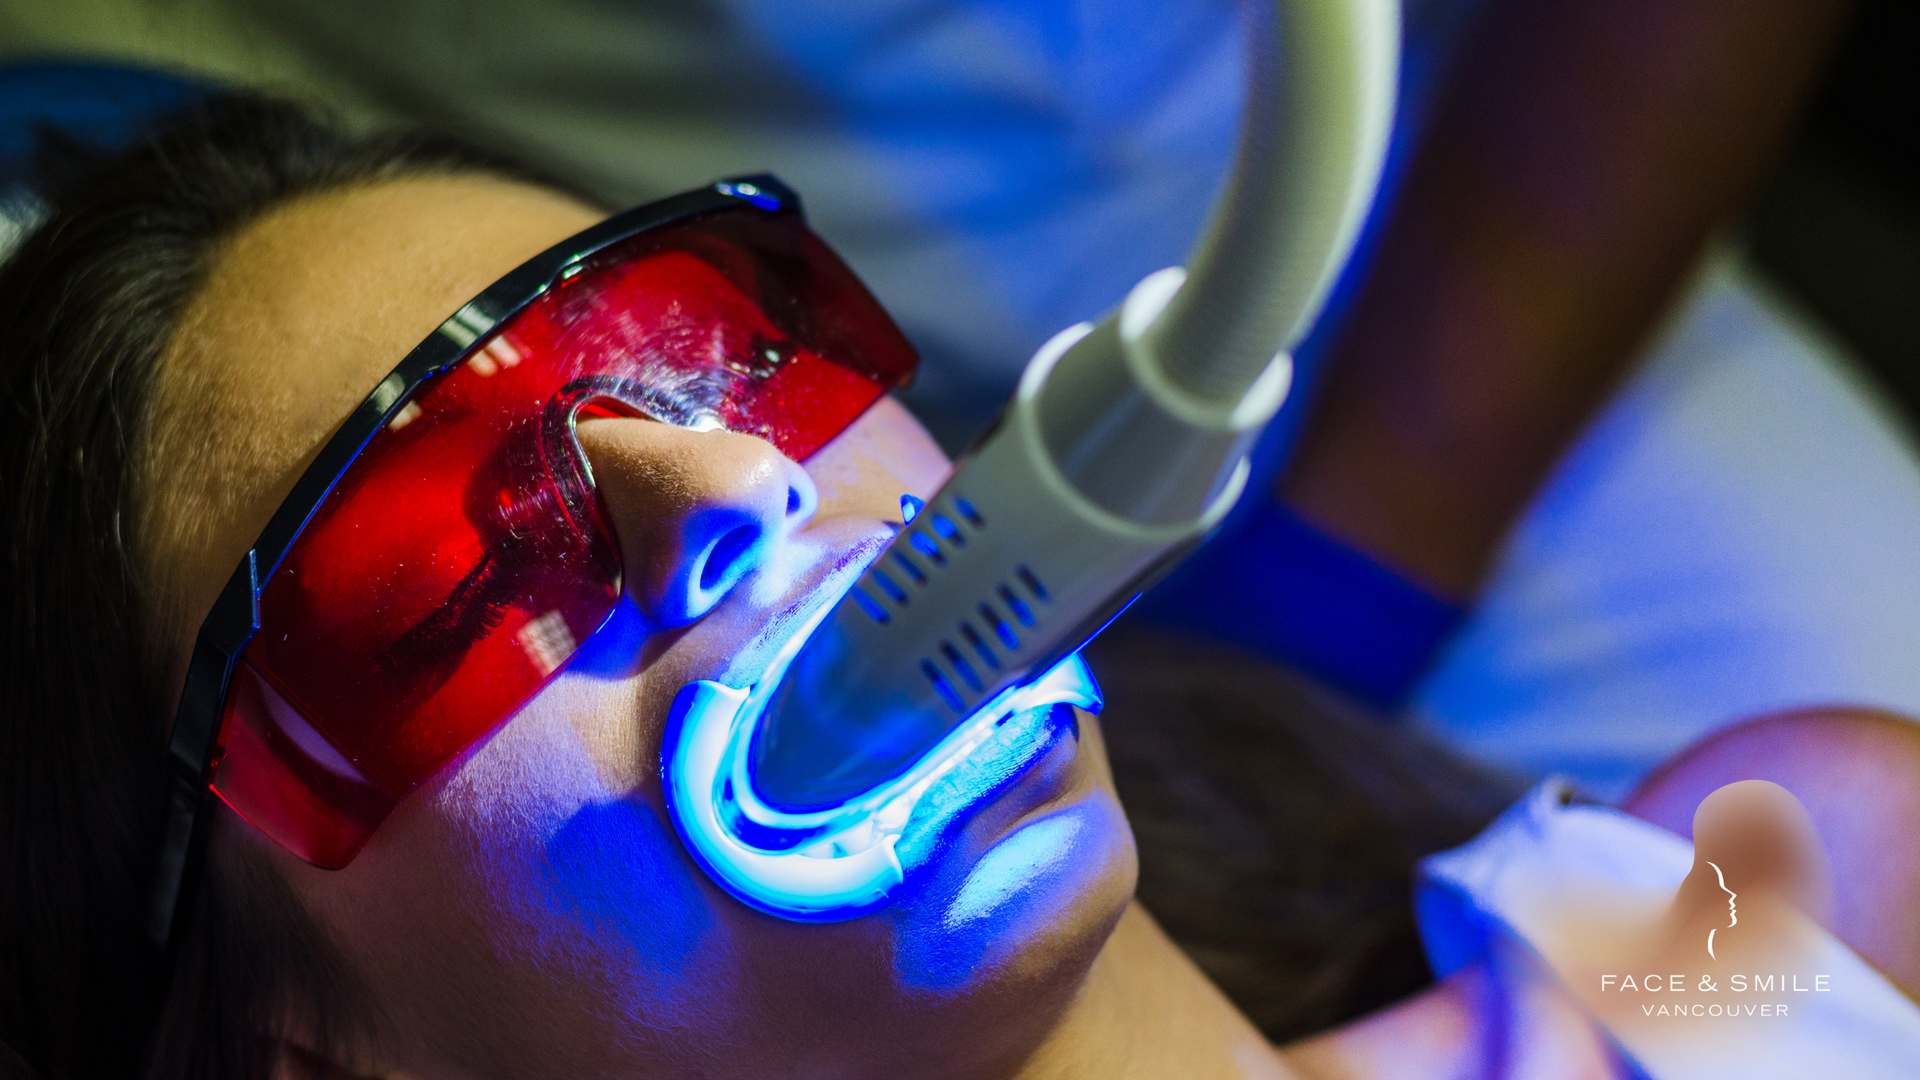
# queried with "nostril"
point(725, 554)
point(802, 500)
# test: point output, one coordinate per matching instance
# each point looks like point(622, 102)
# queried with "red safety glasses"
point(446, 554)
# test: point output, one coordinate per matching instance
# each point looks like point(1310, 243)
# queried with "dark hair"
point(1279, 824)
point(88, 305)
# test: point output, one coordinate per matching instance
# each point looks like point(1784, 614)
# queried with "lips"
point(819, 584)
point(984, 774)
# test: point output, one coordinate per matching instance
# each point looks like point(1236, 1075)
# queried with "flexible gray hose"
point(1125, 444)
point(1320, 98)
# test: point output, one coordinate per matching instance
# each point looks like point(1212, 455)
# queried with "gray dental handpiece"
point(1125, 443)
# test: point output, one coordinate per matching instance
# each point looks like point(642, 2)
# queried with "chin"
point(1027, 887)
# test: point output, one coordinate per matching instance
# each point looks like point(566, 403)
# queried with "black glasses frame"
point(235, 617)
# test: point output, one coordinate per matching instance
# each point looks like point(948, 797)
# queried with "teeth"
point(859, 838)
point(853, 841)
point(892, 817)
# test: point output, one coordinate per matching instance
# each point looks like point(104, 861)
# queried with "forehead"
point(309, 306)
point(302, 312)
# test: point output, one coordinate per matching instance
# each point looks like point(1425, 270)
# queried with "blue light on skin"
point(958, 920)
point(609, 853)
point(1006, 897)
point(608, 652)
point(1011, 867)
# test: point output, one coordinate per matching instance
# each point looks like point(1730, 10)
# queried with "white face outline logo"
point(1733, 913)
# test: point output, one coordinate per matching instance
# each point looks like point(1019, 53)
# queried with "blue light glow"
point(611, 866)
point(1011, 866)
point(840, 862)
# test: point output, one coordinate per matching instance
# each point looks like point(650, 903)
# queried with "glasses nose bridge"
point(612, 396)
point(693, 511)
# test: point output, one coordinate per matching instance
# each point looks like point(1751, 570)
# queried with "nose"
point(694, 511)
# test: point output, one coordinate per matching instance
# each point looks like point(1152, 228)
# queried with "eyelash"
point(472, 610)
point(469, 613)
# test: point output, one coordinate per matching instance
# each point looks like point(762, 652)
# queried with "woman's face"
point(530, 909)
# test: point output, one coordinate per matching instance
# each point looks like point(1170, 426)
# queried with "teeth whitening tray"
point(1126, 442)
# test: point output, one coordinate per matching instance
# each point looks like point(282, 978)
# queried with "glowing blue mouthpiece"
point(827, 864)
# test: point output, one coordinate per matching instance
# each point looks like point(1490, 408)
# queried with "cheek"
point(541, 873)
point(886, 453)
point(1039, 903)
point(564, 817)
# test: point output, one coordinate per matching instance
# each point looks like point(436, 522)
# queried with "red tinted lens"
point(463, 557)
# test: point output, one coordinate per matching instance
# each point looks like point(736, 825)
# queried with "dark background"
point(1838, 225)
